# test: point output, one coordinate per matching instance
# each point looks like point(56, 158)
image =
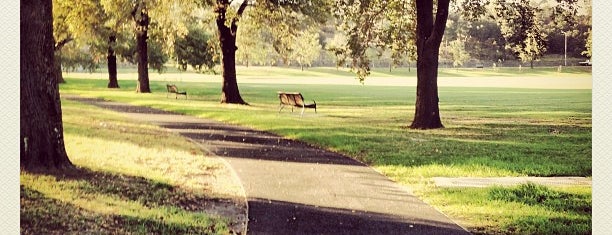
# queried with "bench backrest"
point(292, 98)
point(172, 88)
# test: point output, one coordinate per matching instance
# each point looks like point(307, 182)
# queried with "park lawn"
point(131, 178)
point(274, 72)
point(489, 132)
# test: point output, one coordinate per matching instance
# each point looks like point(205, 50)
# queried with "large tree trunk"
point(429, 37)
point(227, 40)
point(141, 17)
point(111, 59)
point(41, 139)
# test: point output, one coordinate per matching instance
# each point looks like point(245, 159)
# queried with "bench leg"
point(302, 114)
point(281, 107)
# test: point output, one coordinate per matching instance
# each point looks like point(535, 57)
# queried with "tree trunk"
point(57, 67)
point(41, 139)
point(427, 113)
point(429, 37)
point(227, 40)
point(141, 17)
point(111, 59)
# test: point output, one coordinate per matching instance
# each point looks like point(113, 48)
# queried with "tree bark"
point(429, 38)
point(230, 93)
point(141, 17)
point(41, 139)
point(57, 67)
point(111, 59)
point(58, 58)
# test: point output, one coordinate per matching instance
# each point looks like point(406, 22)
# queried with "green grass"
point(275, 72)
point(489, 132)
point(524, 209)
point(132, 178)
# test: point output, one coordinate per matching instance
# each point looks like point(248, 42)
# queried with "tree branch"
point(440, 23)
point(60, 44)
point(243, 6)
point(234, 25)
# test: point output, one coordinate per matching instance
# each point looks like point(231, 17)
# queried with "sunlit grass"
point(133, 178)
point(489, 132)
point(524, 209)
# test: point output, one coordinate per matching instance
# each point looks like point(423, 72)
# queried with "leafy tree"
point(252, 41)
point(281, 13)
point(71, 20)
point(589, 49)
point(306, 47)
point(337, 46)
point(364, 23)
point(193, 50)
point(458, 52)
point(74, 57)
point(162, 21)
point(41, 137)
point(521, 27)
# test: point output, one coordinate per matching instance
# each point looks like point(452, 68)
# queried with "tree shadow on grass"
point(148, 192)
point(43, 215)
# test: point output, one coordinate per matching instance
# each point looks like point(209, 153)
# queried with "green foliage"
point(194, 50)
point(254, 43)
point(306, 47)
point(337, 46)
point(73, 58)
point(376, 24)
point(520, 24)
point(458, 52)
point(156, 55)
point(589, 47)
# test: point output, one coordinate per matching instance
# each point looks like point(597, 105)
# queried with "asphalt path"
point(294, 188)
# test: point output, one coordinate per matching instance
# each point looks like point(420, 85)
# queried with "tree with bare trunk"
point(293, 15)
point(372, 23)
point(227, 40)
point(41, 138)
point(140, 14)
point(429, 34)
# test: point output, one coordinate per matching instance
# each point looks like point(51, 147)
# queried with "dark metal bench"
point(294, 99)
point(173, 89)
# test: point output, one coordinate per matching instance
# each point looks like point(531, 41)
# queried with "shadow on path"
point(293, 218)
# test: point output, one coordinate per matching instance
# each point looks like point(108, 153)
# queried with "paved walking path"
point(480, 182)
point(294, 188)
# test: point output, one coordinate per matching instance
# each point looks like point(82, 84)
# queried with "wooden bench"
point(173, 89)
point(294, 99)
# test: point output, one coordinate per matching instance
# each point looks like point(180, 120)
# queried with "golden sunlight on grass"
point(131, 178)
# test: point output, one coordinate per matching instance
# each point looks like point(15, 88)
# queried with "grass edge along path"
point(131, 178)
point(490, 132)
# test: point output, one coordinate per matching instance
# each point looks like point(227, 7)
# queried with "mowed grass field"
point(489, 132)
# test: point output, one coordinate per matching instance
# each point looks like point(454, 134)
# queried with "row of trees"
point(465, 39)
point(406, 29)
